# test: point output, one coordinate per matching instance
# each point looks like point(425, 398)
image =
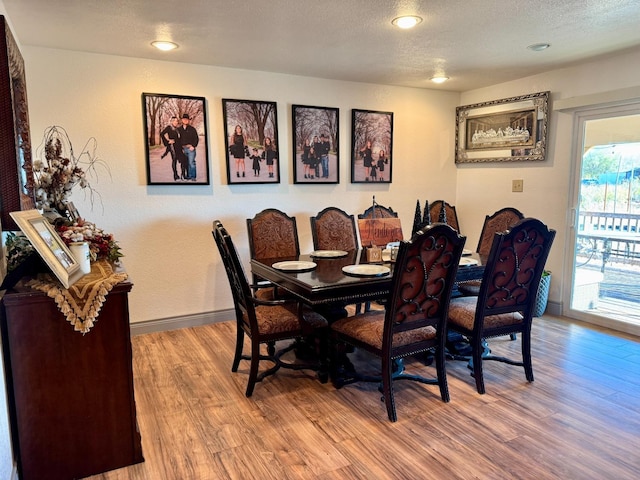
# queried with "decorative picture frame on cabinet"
point(507, 130)
point(176, 141)
point(251, 141)
point(17, 184)
point(316, 144)
point(49, 246)
point(371, 146)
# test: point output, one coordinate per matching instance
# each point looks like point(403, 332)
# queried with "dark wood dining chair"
point(272, 234)
point(507, 295)
point(436, 214)
point(334, 229)
point(499, 221)
point(265, 321)
point(415, 317)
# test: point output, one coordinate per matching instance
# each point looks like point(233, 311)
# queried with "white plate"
point(329, 253)
point(466, 252)
point(465, 262)
point(366, 270)
point(294, 266)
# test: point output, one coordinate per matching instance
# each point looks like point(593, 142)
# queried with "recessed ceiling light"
point(538, 47)
point(439, 79)
point(407, 21)
point(164, 46)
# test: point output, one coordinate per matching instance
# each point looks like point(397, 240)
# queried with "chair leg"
point(387, 389)
point(526, 355)
point(253, 370)
point(477, 364)
point(358, 308)
point(239, 344)
point(441, 372)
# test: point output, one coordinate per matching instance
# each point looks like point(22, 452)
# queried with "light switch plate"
point(517, 185)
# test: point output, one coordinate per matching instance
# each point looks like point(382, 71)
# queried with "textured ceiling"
point(475, 43)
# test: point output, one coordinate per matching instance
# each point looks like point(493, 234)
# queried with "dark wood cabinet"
point(71, 401)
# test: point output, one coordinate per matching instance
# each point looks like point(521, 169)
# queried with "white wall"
point(485, 188)
point(165, 231)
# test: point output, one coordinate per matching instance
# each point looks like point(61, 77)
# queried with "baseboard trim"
point(184, 321)
point(554, 308)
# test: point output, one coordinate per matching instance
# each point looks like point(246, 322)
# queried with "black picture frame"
point(258, 121)
point(371, 130)
point(310, 125)
point(167, 165)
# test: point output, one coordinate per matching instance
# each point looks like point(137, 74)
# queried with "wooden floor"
point(580, 419)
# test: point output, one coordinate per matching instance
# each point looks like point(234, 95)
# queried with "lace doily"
point(82, 301)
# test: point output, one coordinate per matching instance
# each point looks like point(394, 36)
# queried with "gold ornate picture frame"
point(507, 130)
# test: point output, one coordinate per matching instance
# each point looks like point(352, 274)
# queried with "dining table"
point(320, 280)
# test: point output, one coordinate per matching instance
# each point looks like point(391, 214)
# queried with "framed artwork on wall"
point(371, 146)
point(251, 141)
point(316, 152)
point(176, 143)
point(507, 130)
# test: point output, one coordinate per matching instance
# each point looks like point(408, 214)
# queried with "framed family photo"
point(371, 146)
point(505, 130)
point(316, 153)
point(176, 143)
point(49, 246)
point(251, 141)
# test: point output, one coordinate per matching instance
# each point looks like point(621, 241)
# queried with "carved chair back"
point(498, 222)
point(435, 214)
point(378, 212)
point(273, 234)
point(334, 229)
point(424, 274)
point(513, 270)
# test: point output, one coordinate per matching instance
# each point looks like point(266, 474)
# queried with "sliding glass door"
point(605, 233)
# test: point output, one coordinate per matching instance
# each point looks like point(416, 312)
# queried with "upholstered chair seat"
point(369, 329)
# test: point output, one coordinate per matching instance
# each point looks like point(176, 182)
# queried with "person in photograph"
point(367, 159)
point(171, 138)
point(189, 141)
point(316, 148)
point(237, 148)
point(373, 172)
point(323, 152)
point(305, 158)
point(382, 161)
point(270, 154)
point(313, 162)
point(256, 162)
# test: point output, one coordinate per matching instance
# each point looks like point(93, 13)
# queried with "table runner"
point(82, 301)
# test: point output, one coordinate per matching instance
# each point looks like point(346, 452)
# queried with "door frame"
point(580, 118)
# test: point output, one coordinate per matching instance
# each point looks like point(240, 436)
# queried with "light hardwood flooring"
point(580, 419)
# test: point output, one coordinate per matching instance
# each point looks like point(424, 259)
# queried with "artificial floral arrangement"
point(56, 173)
point(101, 244)
point(60, 171)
